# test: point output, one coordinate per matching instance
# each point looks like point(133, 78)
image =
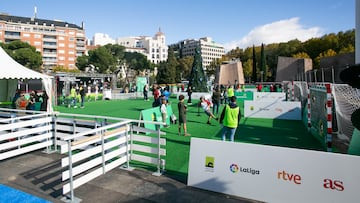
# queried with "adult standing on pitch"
point(230, 118)
point(182, 115)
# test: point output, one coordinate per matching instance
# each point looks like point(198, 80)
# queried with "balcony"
point(12, 37)
point(49, 54)
point(49, 39)
point(80, 49)
point(80, 42)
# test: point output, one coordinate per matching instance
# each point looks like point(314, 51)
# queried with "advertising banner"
point(154, 114)
point(269, 96)
point(242, 96)
point(140, 83)
point(274, 110)
point(273, 174)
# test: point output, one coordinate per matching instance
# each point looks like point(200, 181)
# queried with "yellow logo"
point(209, 162)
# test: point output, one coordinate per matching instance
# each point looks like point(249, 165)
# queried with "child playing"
point(163, 111)
point(182, 115)
point(205, 104)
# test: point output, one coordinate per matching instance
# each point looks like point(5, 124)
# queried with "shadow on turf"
point(280, 134)
point(136, 109)
point(178, 141)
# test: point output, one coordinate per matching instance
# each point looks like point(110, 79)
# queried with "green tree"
point(137, 61)
point(197, 77)
point(247, 68)
point(211, 69)
point(301, 55)
point(82, 62)
point(184, 68)
point(103, 60)
point(25, 54)
point(263, 68)
point(326, 53)
point(348, 49)
point(64, 69)
point(167, 70)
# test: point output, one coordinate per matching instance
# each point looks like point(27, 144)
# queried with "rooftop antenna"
point(35, 12)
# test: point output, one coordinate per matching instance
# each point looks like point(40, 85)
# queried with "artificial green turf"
point(286, 133)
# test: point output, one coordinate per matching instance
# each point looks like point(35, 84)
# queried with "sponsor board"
point(273, 174)
point(269, 96)
point(274, 110)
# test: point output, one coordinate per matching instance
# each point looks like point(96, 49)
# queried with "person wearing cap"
point(230, 118)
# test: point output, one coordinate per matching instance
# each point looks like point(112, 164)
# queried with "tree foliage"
point(108, 59)
point(64, 69)
point(167, 70)
point(314, 48)
point(184, 68)
point(137, 61)
point(24, 53)
point(102, 59)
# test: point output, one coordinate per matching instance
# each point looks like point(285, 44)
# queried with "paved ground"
point(40, 174)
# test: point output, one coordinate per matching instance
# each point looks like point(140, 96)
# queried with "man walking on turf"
point(230, 118)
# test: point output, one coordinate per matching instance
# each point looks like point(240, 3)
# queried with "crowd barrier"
point(94, 144)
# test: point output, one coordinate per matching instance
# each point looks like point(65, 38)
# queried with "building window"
point(61, 38)
point(37, 36)
point(26, 35)
point(36, 43)
point(61, 51)
point(61, 45)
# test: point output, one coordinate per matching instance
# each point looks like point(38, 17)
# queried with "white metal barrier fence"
point(22, 133)
point(94, 144)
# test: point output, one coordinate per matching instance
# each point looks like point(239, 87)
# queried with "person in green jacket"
point(230, 92)
point(73, 96)
point(230, 118)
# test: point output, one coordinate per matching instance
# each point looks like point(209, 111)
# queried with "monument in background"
point(230, 73)
point(289, 68)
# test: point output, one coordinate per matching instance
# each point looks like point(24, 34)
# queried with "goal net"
point(346, 101)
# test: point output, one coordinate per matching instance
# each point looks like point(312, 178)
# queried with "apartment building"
point(58, 42)
point(209, 49)
point(154, 48)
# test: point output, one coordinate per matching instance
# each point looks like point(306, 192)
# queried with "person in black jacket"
point(82, 95)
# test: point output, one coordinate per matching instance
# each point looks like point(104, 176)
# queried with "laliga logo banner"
point(273, 174)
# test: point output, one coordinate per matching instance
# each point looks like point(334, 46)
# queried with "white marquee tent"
point(11, 71)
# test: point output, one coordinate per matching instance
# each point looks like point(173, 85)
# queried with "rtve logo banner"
point(296, 179)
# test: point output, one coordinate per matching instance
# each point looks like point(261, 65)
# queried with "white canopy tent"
point(11, 71)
